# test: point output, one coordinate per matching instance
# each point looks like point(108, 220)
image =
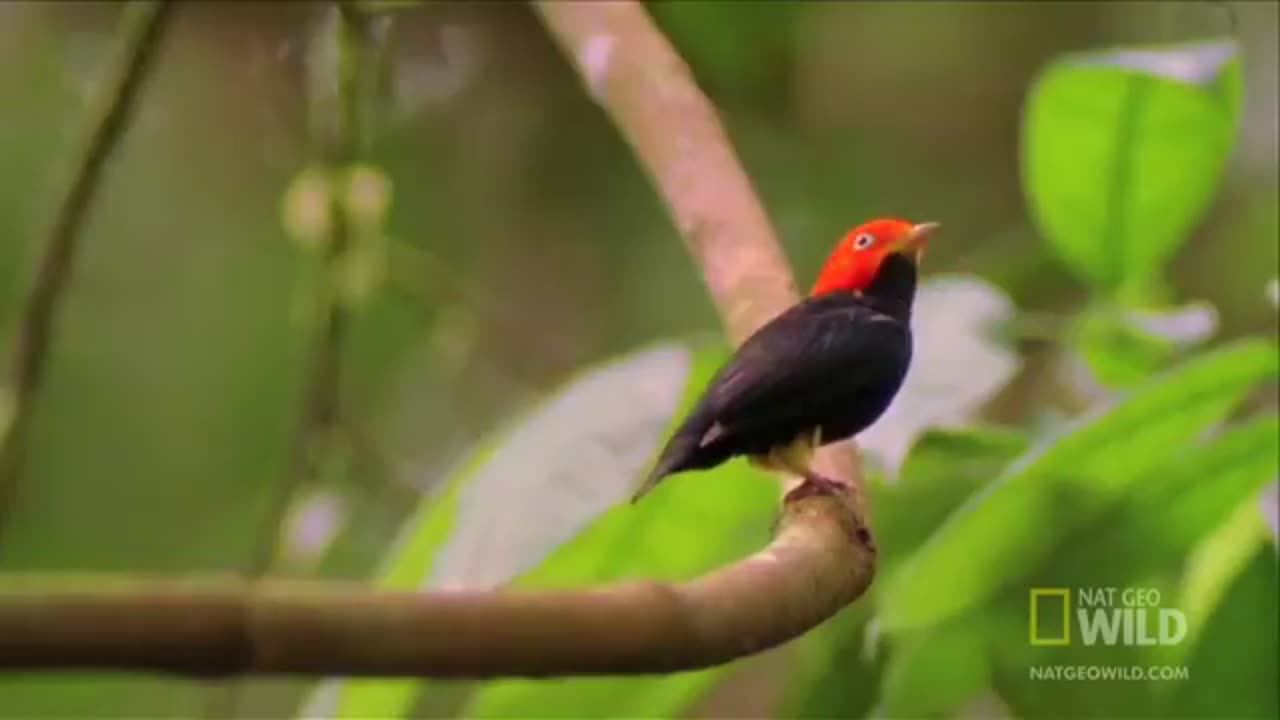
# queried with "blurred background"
point(523, 246)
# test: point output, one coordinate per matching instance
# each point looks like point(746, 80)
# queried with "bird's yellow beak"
point(915, 241)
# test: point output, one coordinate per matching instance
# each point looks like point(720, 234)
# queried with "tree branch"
point(281, 628)
point(142, 27)
point(631, 70)
point(821, 559)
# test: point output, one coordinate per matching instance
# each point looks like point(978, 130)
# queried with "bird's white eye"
point(863, 241)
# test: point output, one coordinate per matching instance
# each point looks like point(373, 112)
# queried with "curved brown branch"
point(632, 71)
point(278, 628)
point(143, 26)
point(821, 559)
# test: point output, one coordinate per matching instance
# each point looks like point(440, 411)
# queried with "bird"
point(822, 371)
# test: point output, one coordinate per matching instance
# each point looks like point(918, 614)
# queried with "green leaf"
point(1170, 509)
point(525, 493)
point(386, 6)
point(934, 672)
point(944, 468)
point(837, 671)
point(691, 525)
point(1123, 346)
point(1122, 151)
point(1144, 542)
point(1005, 531)
point(1218, 560)
point(686, 526)
point(409, 561)
point(1202, 489)
point(581, 453)
point(737, 47)
point(1234, 663)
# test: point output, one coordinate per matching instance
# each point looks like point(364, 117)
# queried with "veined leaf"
point(1122, 152)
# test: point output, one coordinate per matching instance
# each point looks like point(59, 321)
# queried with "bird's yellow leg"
point(795, 459)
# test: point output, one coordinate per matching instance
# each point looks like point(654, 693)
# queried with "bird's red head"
point(856, 260)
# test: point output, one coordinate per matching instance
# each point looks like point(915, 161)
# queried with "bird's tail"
point(675, 456)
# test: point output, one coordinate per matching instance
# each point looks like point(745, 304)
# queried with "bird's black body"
point(830, 364)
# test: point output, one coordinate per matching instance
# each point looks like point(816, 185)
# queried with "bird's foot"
point(815, 485)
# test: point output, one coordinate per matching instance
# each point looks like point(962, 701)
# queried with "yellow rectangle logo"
point(1038, 594)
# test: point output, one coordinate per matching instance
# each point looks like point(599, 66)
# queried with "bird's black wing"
point(828, 361)
point(808, 367)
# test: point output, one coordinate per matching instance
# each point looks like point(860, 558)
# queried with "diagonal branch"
point(631, 70)
point(143, 26)
point(821, 559)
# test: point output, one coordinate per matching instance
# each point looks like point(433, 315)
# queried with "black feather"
point(831, 363)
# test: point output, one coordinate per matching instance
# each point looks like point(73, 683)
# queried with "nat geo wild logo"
point(1104, 616)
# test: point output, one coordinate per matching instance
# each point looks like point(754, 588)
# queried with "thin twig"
point(142, 28)
point(340, 144)
point(821, 559)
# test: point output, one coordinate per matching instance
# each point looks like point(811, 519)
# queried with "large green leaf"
point(837, 668)
point(1004, 531)
point(686, 526)
point(1200, 492)
point(933, 672)
point(1150, 532)
point(690, 526)
point(945, 467)
point(1143, 542)
point(523, 494)
point(1234, 663)
point(1217, 560)
point(1123, 150)
point(581, 453)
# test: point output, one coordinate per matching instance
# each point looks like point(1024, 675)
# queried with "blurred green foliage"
point(1000, 535)
point(1124, 149)
point(524, 260)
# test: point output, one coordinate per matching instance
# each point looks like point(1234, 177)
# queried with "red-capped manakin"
point(821, 372)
